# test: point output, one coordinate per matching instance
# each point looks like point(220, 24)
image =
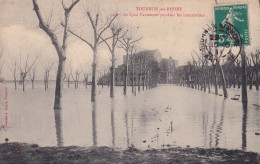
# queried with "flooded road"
point(165, 116)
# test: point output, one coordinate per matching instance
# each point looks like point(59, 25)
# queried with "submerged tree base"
point(32, 153)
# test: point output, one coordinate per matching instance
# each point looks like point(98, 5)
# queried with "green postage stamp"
point(235, 15)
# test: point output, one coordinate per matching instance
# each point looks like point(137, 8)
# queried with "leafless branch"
point(109, 24)
point(76, 35)
point(31, 65)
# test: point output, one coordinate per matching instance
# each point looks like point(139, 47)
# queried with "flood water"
point(166, 116)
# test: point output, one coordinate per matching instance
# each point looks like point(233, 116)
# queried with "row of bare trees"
point(201, 74)
point(30, 69)
point(27, 69)
point(220, 65)
point(110, 33)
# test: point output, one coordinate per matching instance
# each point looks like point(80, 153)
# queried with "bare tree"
point(238, 71)
point(77, 76)
point(214, 55)
point(140, 74)
point(250, 72)
point(13, 70)
point(148, 74)
point(67, 77)
point(47, 75)
point(24, 71)
point(32, 76)
point(201, 68)
point(222, 77)
point(98, 31)
point(243, 72)
point(145, 73)
point(215, 75)
point(126, 43)
point(104, 76)
point(116, 30)
point(256, 63)
point(86, 79)
point(133, 50)
point(60, 49)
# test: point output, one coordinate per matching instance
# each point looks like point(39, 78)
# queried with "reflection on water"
point(94, 123)
point(167, 115)
point(113, 122)
point(126, 125)
point(220, 125)
point(244, 121)
point(58, 126)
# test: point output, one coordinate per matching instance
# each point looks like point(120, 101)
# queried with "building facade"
point(167, 68)
point(145, 68)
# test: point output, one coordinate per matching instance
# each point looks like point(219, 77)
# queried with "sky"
point(177, 37)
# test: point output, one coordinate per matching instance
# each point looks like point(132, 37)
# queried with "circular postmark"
point(224, 37)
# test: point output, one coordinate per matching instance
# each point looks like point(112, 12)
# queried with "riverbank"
point(32, 153)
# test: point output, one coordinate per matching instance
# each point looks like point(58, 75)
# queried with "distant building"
point(144, 67)
point(119, 75)
point(149, 55)
point(167, 67)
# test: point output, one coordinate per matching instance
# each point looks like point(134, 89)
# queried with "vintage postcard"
point(120, 81)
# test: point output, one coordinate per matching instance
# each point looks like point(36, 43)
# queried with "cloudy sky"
point(172, 36)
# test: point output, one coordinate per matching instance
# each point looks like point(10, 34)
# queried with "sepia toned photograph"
point(119, 81)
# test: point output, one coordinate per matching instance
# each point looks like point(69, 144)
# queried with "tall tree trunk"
point(257, 77)
point(238, 84)
point(250, 81)
point(15, 84)
point(234, 81)
point(112, 78)
point(58, 90)
point(243, 69)
point(23, 83)
point(204, 79)
point(32, 84)
point(126, 73)
point(208, 80)
point(140, 75)
point(201, 82)
point(133, 77)
point(147, 79)
point(112, 75)
point(144, 76)
point(139, 81)
point(94, 70)
point(222, 79)
point(215, 80)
